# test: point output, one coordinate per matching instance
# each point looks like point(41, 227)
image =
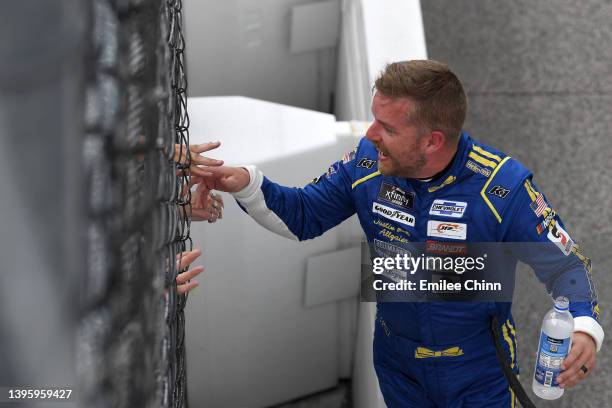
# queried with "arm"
point(299, 213)
point(560, 265)
point(295, 213)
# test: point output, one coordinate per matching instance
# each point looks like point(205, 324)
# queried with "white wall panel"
point(315, 26)
point(374, 33)
point(393, 32)
point(250, 341)
point(332, 277)
point(241, 47)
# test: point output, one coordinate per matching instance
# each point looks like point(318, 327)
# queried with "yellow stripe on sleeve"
point(531, 191)
point(482, 192)
point(510, 345)
point(512, 330)
point(482, 160)
point(487, 154)
point(364, 179)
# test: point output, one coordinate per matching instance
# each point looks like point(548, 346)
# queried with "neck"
point(439, 164)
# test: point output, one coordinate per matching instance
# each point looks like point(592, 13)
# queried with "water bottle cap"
point(562, 304)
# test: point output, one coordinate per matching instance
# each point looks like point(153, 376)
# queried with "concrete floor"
point(338, 397)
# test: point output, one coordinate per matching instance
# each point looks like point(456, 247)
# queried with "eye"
point(389, 130)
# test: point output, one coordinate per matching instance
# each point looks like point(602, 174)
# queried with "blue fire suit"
point(438, 354)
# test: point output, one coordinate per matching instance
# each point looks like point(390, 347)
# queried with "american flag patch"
point(349, 156)
point(539, 205)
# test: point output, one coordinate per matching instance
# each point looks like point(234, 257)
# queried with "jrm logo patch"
point(499, 191)
point(366, 163)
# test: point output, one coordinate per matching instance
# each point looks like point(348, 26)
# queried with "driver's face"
point(398, 142)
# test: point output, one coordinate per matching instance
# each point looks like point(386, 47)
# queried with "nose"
point(372, 133)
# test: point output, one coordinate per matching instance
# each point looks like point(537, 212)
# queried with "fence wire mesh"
point(131, 350)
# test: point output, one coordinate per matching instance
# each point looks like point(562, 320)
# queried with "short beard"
point(410, 171)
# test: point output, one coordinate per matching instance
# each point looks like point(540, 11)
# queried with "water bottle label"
point(550, 356)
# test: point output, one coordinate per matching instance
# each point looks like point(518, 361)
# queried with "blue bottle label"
point(550, 356)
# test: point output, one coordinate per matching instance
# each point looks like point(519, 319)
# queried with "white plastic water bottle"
point(555, 342)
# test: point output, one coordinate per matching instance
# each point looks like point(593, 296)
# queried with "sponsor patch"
point(560, 238)
point(499, 191)
point(315, 180)
point(395, 195)
point(393, 214)
point(548, 222)
point(366, 163)
point(442, 229)
point(445, 248)
point(477, 169)
point(447, 208)
point(539, 205)
point(386, 250)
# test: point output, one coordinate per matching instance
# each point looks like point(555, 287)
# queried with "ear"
point(435, 141)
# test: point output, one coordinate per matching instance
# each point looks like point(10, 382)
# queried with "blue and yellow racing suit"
point(434, 354)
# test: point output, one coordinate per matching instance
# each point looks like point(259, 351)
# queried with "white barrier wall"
point(265, 327)
point(251, 339)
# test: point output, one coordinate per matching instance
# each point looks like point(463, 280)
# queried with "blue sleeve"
point(545, 245)
point(322, 204)
point(301, 213)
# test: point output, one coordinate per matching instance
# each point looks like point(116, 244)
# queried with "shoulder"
point(366, 150)
point(364, 162)
point(502, 177)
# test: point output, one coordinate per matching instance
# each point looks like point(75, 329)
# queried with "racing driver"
point(417, 174)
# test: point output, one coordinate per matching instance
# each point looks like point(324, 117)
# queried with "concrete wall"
point(539, 80)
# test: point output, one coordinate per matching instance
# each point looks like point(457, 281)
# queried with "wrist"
point(254, 179)
point(590, 327)
point(245, 177)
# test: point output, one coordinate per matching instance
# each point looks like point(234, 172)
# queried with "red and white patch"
point(560, 238)
point(451, 230)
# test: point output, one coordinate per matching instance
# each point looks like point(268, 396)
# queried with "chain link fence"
point(131, 337)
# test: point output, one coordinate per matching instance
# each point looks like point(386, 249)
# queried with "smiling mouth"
point(381, 154)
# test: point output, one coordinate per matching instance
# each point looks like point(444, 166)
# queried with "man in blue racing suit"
point(416, 177)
